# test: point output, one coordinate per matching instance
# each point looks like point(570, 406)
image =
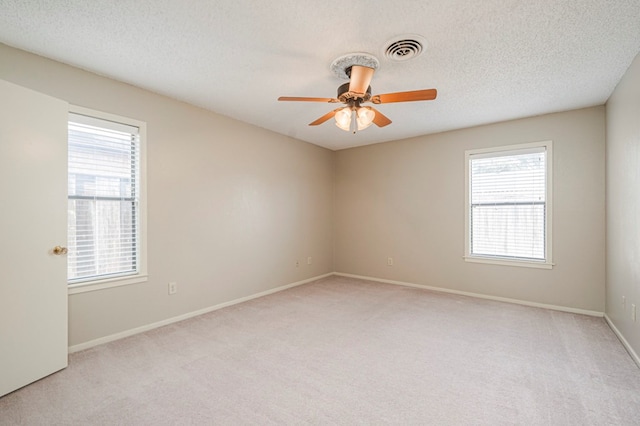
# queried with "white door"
point(33, 209)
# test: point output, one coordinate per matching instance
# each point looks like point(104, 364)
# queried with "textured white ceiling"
point(491, 60)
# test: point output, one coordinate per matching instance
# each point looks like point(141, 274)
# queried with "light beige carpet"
point(345, 351)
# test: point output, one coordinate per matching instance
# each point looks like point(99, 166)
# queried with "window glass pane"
point(513, 179)
point(508, 231)
point(105, 160)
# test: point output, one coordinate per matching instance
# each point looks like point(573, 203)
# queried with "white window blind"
point(508, 204)
point(103, 199)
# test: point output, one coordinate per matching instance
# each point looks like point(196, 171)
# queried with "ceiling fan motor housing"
point(347, 97)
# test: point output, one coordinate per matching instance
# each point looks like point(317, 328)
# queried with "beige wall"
point(405, 199)
point(623, 204)
point(231, 207)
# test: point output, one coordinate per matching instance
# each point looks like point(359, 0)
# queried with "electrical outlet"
point(173, 287)
point(633, 312)
point(624, 302)
point(390, 261)
point(309, 260)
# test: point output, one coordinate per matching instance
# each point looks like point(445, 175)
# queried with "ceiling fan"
point(357, 91)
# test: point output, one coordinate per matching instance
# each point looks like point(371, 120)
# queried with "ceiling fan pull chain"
point(354, 123)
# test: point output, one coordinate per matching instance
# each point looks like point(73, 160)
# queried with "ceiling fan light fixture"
point(343, 118)
point(349, 121)
point(365, 117)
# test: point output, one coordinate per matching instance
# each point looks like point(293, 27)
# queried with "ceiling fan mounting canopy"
point(341, 66)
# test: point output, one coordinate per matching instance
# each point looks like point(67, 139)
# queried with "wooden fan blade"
point(415, 95)
point(293, 98)
point(325, 117)
point(360, 79)
point(380, 119)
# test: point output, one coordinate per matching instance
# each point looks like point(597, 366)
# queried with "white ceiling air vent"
point(405, 47)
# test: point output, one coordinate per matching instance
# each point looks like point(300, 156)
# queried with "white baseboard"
point(142, 329)
point(478, 295)
point(624, 342)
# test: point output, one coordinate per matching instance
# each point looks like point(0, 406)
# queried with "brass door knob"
point(58, 250)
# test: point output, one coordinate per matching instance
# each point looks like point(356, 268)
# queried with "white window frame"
point(141, 275)
point(547, 263)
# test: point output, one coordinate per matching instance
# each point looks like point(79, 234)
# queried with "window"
point(105, 209)
point(508, 197)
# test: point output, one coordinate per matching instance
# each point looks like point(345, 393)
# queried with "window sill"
point(507, 262)
point(105, 284)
